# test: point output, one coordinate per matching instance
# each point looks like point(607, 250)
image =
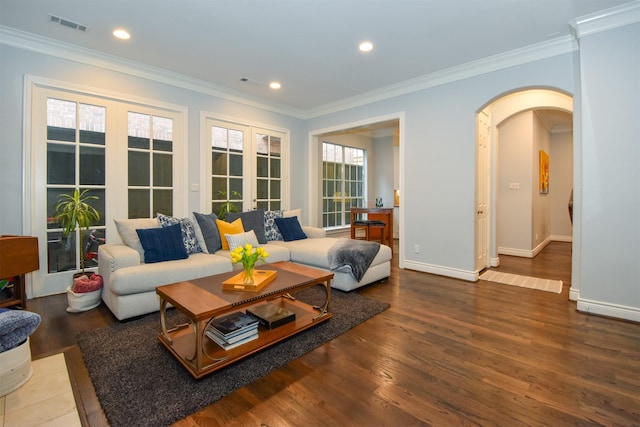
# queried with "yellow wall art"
point(544, 172)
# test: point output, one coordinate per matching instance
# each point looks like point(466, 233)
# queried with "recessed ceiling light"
point(121, 34)
point(275, 85)
point(365, 46)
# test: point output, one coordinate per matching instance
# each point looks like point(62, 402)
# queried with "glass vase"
point(248, 275)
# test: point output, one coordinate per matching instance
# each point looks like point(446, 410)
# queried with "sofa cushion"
point(188, 232)
point(251, 220)
point(241, 239)
point(224, 227)
point(162, 244)
point(290, 228)
point(146, 277)
point(127, 230)
point(271, 230)
point(209, 231)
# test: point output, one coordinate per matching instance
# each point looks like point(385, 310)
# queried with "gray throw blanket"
point(356, 254)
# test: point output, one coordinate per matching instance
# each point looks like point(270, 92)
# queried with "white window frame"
point(35, 89)
point(343, 182)
point(208, 119)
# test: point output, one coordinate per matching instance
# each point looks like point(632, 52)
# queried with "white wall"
point(514, 207)
point(607, 204)
point(383, 181)
point(524, 216)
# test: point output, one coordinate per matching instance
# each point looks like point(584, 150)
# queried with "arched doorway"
point(545, 105)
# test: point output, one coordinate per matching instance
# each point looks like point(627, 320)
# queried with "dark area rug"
point(139, 383)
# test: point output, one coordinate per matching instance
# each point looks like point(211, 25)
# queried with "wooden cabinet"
point(382, 234)
point(18, 256)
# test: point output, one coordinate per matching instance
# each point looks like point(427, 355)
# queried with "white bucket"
point(78, 302)
point(15, 368)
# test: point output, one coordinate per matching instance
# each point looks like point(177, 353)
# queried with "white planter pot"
point(15, 368)
point(82, 302)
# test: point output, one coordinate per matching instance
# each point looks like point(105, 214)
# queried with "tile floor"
point(45, 400)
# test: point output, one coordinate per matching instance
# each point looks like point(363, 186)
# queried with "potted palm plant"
point(227, 205)
point(74, 212)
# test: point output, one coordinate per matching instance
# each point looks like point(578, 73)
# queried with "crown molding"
point(489, 64)
point(608, 19)
point(71, 52)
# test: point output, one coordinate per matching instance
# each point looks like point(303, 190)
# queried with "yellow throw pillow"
point(224, 227)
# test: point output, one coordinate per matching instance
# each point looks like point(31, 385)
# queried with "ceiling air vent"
point(66, 23)
point(249, 80)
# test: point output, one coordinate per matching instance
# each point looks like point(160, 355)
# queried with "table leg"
point(324, 310)
point(198, 331)
point(163, 320)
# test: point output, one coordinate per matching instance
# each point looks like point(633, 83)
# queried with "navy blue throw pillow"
point(162, 244)
point(290, 229)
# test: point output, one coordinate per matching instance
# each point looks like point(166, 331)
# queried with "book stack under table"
point(232, 330)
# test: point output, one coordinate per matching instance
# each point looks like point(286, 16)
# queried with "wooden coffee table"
point(204, 299)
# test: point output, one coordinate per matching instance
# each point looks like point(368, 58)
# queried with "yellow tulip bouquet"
point(248, 257)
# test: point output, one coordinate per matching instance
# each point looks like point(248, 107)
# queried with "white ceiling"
point(310, 46)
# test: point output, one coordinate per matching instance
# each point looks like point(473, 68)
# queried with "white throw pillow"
point(293, 212)
point(242, 239)
point(127, 230)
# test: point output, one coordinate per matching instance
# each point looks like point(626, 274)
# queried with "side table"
point(18, 256)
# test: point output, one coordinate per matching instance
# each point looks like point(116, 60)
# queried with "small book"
point(271, 315)
point(228, 346)
point(234, 323)
point(231, 339)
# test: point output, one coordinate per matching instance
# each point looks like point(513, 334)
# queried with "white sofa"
point(129, 283)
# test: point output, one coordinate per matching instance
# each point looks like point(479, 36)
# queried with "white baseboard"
point(531, 253)
point(574, 294)
point(495, 262)
point(559, 238)
point(471, 276)
point(610, 310)
point(524, 253)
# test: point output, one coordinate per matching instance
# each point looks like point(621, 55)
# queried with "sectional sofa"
point(130, 282)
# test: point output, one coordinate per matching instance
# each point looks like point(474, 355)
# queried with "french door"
point(125, 155)
point(245, 167)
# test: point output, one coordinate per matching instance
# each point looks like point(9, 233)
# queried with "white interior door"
point(482, 185)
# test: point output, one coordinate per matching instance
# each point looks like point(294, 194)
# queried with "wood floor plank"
point(447, 352)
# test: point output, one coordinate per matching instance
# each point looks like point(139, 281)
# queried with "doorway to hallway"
point(519, 219)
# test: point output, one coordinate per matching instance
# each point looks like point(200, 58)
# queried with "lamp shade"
point(18, 255)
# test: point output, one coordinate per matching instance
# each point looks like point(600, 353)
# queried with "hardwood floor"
point(447, 352)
